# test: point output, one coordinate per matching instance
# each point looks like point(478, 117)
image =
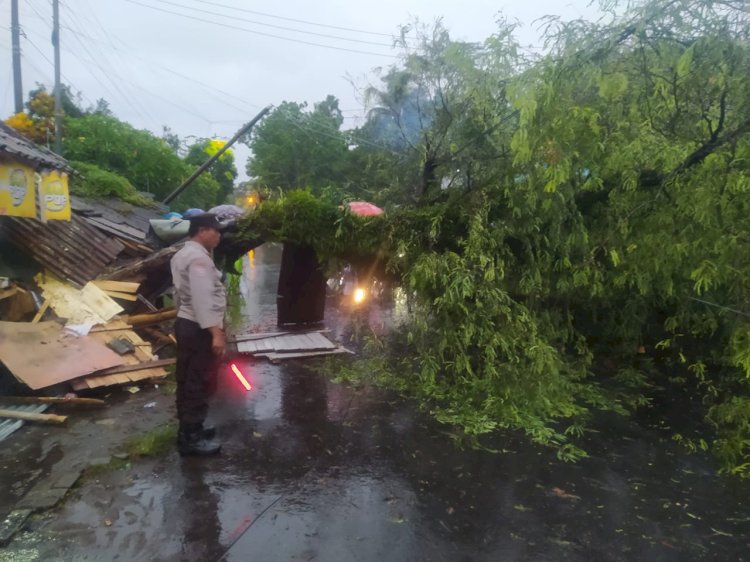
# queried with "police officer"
point(201, 302)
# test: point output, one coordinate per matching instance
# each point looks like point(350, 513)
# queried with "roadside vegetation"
point(571, 223)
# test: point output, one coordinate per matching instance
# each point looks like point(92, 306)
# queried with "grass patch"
point(153, 443)
point(97, 470)
point(168, 384)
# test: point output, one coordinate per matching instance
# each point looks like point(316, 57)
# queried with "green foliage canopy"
point(295, 148)
point(601, 203)
point(143, 159)
point(223, 170)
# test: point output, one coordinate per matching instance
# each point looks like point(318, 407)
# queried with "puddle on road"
point(312, 470)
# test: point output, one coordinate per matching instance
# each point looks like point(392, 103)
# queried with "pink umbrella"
point(364, 209)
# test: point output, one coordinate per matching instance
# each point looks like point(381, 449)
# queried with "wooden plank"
point(121, 296)
point(118, 286)
point(125, 378)
point(58, 400)
point(40, 313)
point(137, 367)
point(247, 347)
point(261, 336)
point(265, 335)
point(9, 292)
point(319, 340)
point(151, 318)
point(301, 355)
point(31, 416)
point(290, 342)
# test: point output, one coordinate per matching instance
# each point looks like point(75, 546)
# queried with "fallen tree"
point(598, 263)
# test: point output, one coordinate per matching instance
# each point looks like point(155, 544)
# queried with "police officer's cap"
point(207, 220)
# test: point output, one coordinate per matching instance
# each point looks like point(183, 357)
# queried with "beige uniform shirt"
point(198, 291)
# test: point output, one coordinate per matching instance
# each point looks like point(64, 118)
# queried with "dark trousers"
point(196, 374)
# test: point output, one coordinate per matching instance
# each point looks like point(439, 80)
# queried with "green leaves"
point(559, 217)
point(142, 159)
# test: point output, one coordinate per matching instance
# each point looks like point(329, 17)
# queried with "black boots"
point(208, 432)
point(197, 441)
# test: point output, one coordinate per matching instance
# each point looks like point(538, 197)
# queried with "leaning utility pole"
point(15, 34)
point(58, 87)
point(203, 167)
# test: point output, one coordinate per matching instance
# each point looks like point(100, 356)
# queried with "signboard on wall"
point(54, 198)
point(17, 190)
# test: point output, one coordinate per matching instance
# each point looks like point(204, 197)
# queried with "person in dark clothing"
point(199, 328)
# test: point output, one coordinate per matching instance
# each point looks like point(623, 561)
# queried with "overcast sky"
point(156, 67)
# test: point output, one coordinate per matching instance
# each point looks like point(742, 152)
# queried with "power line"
point(256, 22)
point(105, 88)
point(266, 14)
point(211, 89)
point(229, 26)
point(140, 109)
point(323, 132)
point(69, 82)
point(191, 111)
point(108, 37)
point(719, 306)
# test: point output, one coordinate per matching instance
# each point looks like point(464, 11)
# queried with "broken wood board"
point(121, 296)
point(42, 354)
point(276, 357)
point(117, 286)
point(9, 425)
point(133, 373)
point(57, 400)
point(9, 292)
point(288, 343)
point(16, 304)
point(89, 305)
point(141, 360)
point(263, 335)
point(152, 317)
point(138, 366)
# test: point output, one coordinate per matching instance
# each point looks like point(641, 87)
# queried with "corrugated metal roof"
point(119, 218)
point(74, 251)
point(9, 425)
point(18, 146)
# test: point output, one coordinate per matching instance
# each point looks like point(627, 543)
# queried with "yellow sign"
point(54, 199)
point(17, 193)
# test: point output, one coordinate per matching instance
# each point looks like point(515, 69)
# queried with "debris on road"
point(279, 346)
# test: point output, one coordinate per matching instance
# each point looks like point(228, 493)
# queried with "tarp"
point(170, 231)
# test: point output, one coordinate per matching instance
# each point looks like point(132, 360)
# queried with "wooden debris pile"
point(57, 338)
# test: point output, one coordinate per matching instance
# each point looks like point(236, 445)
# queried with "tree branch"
point(716, 142)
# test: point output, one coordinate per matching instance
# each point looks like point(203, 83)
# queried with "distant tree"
point(223, 170)
point(442, 109)
point(172, 139)
point(294, 147)
point(37, 122)
point(71, 103)
point(145, 160)
point(102, 107)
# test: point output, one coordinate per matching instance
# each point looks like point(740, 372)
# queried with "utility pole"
point(58, 87)
point(203, 167)
point(15, 33)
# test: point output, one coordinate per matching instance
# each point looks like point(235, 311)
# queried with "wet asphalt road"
point(313, 470)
